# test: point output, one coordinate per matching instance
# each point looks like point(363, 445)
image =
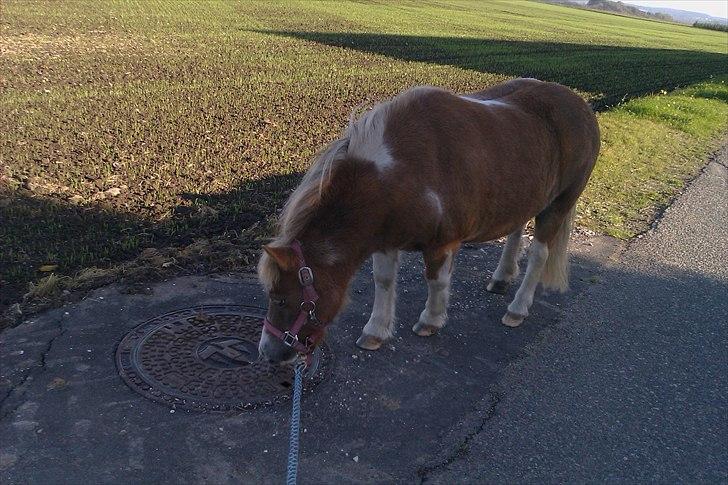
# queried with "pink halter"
point(307, 313)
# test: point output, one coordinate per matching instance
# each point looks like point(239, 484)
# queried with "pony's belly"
point(494, 230)
point(490, 235)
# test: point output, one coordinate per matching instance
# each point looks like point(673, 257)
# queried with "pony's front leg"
point(438, 272)
point(380, 326)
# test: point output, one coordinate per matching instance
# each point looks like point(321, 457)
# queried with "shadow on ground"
point(360, 423)
point(40, 229)
point(611, 74)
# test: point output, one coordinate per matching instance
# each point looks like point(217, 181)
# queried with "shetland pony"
point(427, 171)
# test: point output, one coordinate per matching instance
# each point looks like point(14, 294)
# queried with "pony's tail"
point(555, 275)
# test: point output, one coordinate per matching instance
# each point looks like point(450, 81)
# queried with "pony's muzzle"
point(274, 350)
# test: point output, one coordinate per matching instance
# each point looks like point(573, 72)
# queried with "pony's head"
point(303, 297)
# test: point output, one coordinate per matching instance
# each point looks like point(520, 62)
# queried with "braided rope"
point(292, 469)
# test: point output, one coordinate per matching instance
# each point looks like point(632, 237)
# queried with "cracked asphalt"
point(620, 379)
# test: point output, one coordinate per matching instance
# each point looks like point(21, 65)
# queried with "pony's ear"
point(283, 255)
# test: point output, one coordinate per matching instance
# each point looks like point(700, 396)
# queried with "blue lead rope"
point(292, 469)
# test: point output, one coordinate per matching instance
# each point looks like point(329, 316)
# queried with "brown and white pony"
point(427, 171)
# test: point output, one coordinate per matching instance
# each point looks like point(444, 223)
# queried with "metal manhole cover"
point(205, 359)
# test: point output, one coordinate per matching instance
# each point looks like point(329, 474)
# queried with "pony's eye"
point(281, 302)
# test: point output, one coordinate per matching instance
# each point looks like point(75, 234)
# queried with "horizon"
point(715, 8)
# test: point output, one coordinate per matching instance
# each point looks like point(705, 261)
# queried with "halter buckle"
point(290, 339)
point(305, 276)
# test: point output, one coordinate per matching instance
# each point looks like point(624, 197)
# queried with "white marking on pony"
point(381, 322)
point(538, 253)
point(366, 137)
point(366, 134)
point(438, 296)
point(435, 201)
point(486, 102)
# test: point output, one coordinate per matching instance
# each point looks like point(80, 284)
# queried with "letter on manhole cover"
point(206, 359)
point(228, 352)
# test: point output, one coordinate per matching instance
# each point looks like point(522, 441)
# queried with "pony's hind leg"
point(380, 326)
point(538, 253)
point(507, 269)
point(547, 258)
point(438, 272)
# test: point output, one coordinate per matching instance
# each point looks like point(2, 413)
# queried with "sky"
point(716, 8)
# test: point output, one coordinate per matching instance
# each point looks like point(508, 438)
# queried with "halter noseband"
point(307, 314)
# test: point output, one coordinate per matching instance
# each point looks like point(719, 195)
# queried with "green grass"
point(138, 124)
point(650, 147)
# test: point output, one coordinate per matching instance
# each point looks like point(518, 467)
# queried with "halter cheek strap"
point(307, 314)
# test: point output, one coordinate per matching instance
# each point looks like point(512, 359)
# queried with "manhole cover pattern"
point(205, 359)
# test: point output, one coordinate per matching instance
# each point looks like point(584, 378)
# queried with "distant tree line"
point(702, 24)
point(619, 7)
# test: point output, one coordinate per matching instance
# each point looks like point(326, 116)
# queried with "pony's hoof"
point(499, 287)
point(424, 329)
point(369, 342)
point(511, 319)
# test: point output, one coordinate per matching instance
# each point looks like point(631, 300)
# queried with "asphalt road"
point(632, 385)
point(621, 379)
